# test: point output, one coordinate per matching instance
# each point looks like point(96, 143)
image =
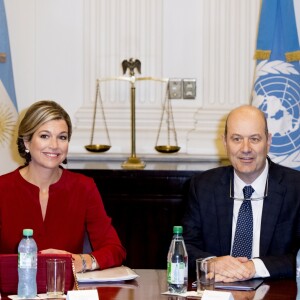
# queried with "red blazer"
point(74, 206)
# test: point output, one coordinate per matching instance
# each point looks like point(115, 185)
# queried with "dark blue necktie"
point(242, 245)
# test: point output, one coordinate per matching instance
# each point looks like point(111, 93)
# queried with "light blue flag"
point(8, 102)
point(277, 84)
point(6, 72)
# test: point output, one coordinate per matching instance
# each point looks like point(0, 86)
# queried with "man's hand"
point(230, 269)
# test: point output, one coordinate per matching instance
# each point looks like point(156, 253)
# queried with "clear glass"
point(205, 270)
point(55, 277)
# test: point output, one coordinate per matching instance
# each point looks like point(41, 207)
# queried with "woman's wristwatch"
point(94, 264)
point(83, 263)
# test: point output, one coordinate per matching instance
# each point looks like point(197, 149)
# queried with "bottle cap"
point(177, 229)
point(27, 232)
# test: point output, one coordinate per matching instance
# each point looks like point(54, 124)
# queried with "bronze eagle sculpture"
point(131, 64)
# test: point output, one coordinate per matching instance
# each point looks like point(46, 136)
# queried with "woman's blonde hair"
point(38, 114)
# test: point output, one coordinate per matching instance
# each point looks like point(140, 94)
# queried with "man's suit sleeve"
point(192, 230)
point(279, 256)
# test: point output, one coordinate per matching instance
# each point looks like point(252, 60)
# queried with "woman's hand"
point(77, 259)
point(54, 251)
point(80, 259)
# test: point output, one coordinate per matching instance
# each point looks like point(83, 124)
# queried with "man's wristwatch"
point(94, 264)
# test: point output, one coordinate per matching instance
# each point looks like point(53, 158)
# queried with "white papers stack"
point(109, 275)
point(38, 297)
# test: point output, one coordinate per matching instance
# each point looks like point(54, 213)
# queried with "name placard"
point(83, 295)
point(216, 295)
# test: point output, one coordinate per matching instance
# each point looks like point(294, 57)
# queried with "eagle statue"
point(131, 64)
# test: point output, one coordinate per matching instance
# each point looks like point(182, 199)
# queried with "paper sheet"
point(190, 294)
point(113, 274)
point(38, 297)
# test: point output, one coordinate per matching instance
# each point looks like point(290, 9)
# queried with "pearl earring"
point(26, 150)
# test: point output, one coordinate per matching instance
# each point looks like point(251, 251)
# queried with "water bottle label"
point(176, 273)
point(27, 260)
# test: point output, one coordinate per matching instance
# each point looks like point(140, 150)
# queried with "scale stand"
point(133, 162)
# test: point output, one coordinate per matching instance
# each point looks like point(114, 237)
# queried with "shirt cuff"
point(260, 268)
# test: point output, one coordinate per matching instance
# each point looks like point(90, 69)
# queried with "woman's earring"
point(26, 150)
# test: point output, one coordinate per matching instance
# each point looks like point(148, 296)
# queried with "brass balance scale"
point(98, 147)
point(167, 116)
point(133, 162)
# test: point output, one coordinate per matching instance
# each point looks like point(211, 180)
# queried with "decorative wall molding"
point(224, 35)
point(59, 48)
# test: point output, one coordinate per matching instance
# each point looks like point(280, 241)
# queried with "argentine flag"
point(8, 103)
point(277, 80)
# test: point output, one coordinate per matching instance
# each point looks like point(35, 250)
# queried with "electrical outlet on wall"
point(175, 88)
point(189, 88)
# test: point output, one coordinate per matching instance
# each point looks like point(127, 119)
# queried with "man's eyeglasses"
point(231, 191)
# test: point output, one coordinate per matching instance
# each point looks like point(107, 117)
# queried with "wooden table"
point(152, 283)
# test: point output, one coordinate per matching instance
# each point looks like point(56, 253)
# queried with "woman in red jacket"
point(59, 205)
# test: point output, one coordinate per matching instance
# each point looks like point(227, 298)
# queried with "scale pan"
point(167, 149)
point(97, 148)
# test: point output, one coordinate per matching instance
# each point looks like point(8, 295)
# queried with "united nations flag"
point(8, 104)
point(277, 83)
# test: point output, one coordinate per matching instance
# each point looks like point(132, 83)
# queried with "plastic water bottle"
point(27, 265)
point(177, 269)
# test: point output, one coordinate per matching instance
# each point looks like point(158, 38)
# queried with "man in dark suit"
point(268, 229)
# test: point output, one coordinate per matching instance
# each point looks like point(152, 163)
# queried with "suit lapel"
point(271, 209)
point(224, 209)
